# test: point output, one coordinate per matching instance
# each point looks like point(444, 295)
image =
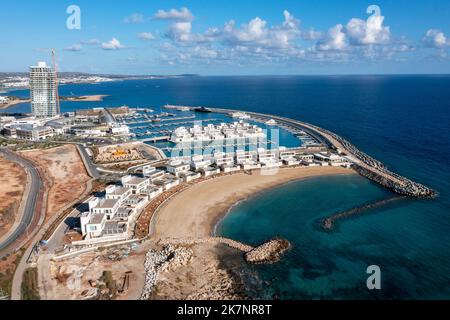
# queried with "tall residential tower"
point(44, 91)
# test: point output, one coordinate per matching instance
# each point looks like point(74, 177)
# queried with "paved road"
point(90, 167)
point(31, 198)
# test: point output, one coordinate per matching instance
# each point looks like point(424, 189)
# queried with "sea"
point(403, 121)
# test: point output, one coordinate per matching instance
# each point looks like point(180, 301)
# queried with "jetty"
point(363, 164)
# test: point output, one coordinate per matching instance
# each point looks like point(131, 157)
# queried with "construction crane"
point(55, 68)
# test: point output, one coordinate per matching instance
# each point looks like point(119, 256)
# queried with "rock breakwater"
point(269, 252)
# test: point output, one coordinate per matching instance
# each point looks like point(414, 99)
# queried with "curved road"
point(31, 198)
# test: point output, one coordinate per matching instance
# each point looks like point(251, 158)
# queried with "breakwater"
point(376, 171)
point(329, 223)
point(269, 252)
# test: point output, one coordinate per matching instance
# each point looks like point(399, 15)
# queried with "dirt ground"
point(204, 277)
point(77, 278)
point(12, 186)
point(7, 268)
point(65, 172)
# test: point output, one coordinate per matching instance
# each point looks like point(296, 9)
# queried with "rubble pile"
point(166, 260)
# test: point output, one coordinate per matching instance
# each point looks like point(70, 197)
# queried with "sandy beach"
point(13, 102)
point(216, 271)
point(87, 98)
point(90, 98)
point(195, 211)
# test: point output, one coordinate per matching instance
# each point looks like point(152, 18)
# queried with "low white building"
point(228, 168)
point(198, 163)
point(88, 132)
point(305, 157)
point(223, 159)
point(268, 158)
point(209, 171)
point(331, 159)
point(117, 192)
point(152, 191)
point(136, 184)
point(119, 130)
point(167, 182)
point(152, 173)
point(3, 100)
point(29, 132)
point(109, 218)
point(190, 176)
point(178, 167)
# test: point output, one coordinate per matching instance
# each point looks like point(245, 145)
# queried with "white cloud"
point(257, 41)
point(180, 31)
point(74, 48)
point(146, 36)
point(179, 15)
point(334, 40)
point(112, 44)
point(368, 32)
point(134, 18)
point(257, 33)
point(436, 39)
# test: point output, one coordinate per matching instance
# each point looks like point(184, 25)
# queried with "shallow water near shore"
point(403, 121)
point(333, 265)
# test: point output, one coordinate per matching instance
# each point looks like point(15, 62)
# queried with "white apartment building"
point(167, 182)
point(152, 173)
point(198, 162)
point(136, 184)
point(190, 176)
point(223, 159)
point(178, 167)
point(219, 133)
point(28, 132)
point(331, 159)
point(153, 191)
point(43, 91)
point(119, 130)
point(111, 215)
point(288, 157)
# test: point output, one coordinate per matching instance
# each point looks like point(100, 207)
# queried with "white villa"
point(178, 167)
point(136, 184)
point(152, 173)
point(221, 132)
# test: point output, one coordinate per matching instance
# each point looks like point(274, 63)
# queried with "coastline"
point(196, 211)
point(13, 103)
point(85, 98)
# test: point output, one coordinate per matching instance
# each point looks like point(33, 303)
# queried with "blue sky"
point(230, 37)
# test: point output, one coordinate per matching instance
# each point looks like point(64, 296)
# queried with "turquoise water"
point(404, 121)
point(333, 265)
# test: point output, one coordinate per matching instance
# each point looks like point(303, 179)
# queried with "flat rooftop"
point(96, 218)
point(106, 203)
point(119, 191)
point(136, 181)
